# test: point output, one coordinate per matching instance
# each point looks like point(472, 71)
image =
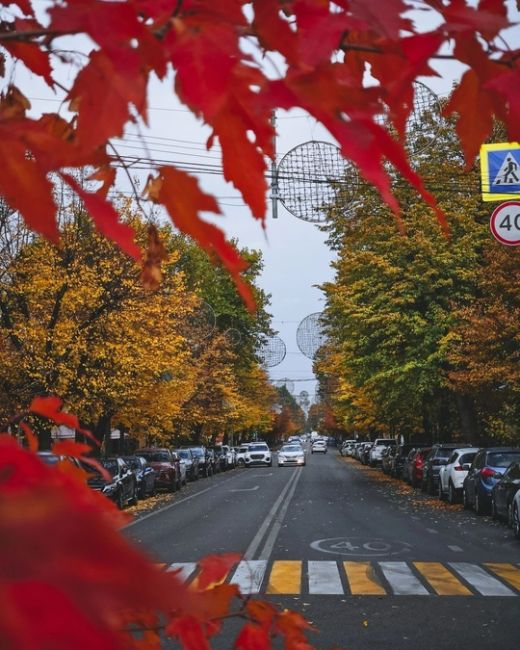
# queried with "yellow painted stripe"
point(362, 579)
point(442, 580)
point(285, 577)
point(508, 572)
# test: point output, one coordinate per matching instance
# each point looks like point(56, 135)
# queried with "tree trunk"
point(102, 431)
point(469, 424)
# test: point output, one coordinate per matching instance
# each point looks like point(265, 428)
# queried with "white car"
point(292, 454)
point(241, 454)
point(374, 456)
point(258, 453)
point(319, 447)
point(346, 445)
point(452, 475)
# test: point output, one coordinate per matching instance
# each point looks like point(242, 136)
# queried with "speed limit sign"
point(505, 223)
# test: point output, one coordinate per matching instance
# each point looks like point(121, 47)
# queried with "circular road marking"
point(360, 546)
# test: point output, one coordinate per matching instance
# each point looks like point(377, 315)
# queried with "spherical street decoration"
point(310, 177)
point(233, 336)
point(287, 383)
point(272, 352)
point(310, 335)
point(202, 321)
point(304, 395)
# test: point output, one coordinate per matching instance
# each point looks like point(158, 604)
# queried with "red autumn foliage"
point(75, 589)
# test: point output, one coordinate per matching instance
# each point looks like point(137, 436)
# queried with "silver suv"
point(257, 453)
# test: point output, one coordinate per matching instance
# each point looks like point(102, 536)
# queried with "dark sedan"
point(503, 493)
point(144, 474)
point(485, 471)
point(122, 486)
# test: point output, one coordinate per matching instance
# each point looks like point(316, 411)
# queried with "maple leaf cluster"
point(325, 50)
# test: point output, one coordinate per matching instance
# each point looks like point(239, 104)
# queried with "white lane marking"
point(278, 520)
point(261, 475)
point(177, 503)
point(402, 580)
point(432, 531)
point(245, 489)
point(257, 539)
point(185, 569)
point(478, 578)
point(324, 577)
point(455, 548)
point(249, 576)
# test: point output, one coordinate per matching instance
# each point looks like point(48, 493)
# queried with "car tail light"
point(419, 462)
point(488, 473)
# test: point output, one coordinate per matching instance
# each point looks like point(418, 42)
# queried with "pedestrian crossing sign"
point(500, 171)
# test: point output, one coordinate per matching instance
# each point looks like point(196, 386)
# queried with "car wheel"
point(120, 502)
point(516, 521)
point(465, 500)
point(440, 492)
point(452, 495)
point(270, 464)
point(241, 463)
point(133, 500)
point(494, 514)
point(510, 515)
point(479, 506)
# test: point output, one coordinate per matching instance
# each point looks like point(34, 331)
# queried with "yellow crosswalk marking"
point(362, 579)
point(442, 580)
point(508, 572)
point(285, 577)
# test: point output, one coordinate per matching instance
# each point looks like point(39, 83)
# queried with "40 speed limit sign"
point(505, 223)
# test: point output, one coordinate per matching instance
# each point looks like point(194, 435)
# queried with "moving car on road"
point(291, 455)
point(319, 446)
point(452, 475)
point(258, 453)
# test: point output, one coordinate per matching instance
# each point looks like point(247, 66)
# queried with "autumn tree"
point(393, 299)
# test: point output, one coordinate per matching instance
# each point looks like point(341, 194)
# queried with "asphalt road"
point(370, 562)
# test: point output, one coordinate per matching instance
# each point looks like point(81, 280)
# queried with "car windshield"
point(134, 462)
point(502, 459)
point(199, 453)
point(111, 466)
point(156, 456)
point(258, 448)
point(291, 449)
point(184, 453)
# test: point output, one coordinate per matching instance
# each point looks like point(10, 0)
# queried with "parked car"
point(346, 445)
point(258, 453)
point(122, 486)
point(387, 458)
point(365, 453)
point(438, 456)
point(319, 446)
point(221, 462)
point(398, 459)
point(376, 450)
point(452, 475)
point(205, 460)
point(166, 465)
point(191, 462)
point(292, 454)
point(515, 515)
point(230, 456)
point(415, 466)
point(486, 469)
point(144, 475)
point(503, 493)
point(52, 459)
point(212, 460)
point(241, 455)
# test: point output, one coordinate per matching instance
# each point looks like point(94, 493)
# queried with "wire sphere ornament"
point(423, 121)
point(310, 335)
point(310, 176)
point(288, 384)
point(272, 352)
point(203, 321)
point(304, 395)
point(233, 336)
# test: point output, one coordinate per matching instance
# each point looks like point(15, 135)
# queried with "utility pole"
point(274, 172)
